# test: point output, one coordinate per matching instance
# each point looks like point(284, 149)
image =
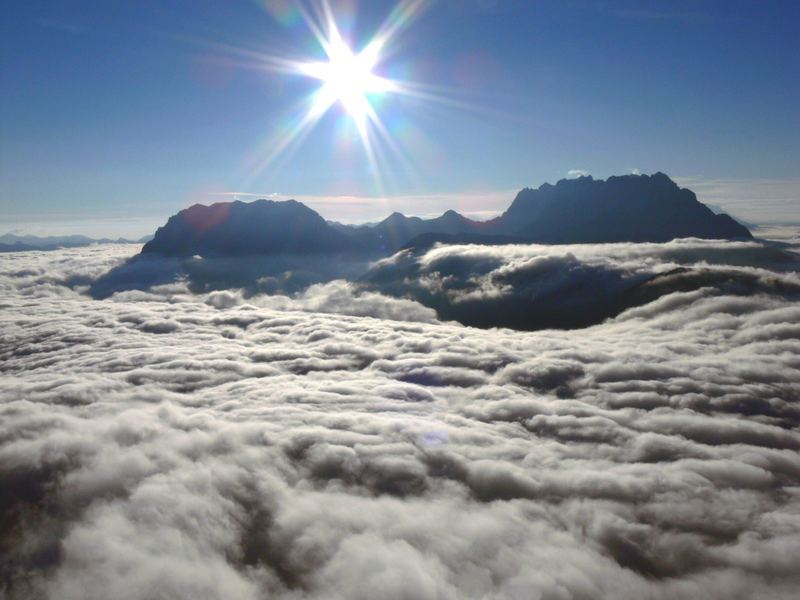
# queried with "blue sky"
point(114, 115)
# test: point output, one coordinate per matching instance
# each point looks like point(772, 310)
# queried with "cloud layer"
point(568, 286)
point(343, 443)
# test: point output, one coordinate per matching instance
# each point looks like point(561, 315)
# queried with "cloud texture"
point(343, 443)
point(569, 286)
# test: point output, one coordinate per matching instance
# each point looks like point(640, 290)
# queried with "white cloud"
point(219, 446)
point(536, 286)
point(577, 173)
point(237, 195)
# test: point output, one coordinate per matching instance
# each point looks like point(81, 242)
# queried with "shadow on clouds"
point(524, 287)
point(530, 287)
point(255, 274)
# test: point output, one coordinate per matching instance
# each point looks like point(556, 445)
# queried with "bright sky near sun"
point(119, 113)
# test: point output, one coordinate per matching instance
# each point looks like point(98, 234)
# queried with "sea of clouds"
point(353, 440)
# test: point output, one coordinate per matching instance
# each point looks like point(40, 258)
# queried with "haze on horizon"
point(116, 115)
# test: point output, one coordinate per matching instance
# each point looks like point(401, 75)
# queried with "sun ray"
point(284, 146)
point(350, 80)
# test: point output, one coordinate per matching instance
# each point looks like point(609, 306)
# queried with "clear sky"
point(114, 115)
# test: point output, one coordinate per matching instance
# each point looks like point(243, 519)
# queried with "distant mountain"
point(634, 208)
point(396, 230)
point(17, 243)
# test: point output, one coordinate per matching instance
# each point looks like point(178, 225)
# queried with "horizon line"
point(757, 201)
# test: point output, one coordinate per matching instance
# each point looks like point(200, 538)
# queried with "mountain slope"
point(243, 228)
point(630, 208)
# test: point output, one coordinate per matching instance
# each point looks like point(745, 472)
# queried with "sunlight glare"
point(347, 78)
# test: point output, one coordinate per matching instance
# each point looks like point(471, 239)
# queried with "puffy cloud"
point(254, 274)
point(571, 286)
point(343, 443)
point(577, 173)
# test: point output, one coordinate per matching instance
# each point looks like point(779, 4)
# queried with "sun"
point(347, 78)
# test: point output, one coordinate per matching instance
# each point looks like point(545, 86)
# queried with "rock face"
point(634, 208)
point(243, 228)
point(631, 208)
point(397, 229)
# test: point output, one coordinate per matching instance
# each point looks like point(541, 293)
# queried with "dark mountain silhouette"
point(396, 230)
point(244, 228)
point(630, 208)
point(269, 227)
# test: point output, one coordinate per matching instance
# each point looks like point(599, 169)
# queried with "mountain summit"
point(243, 228)
point(629, 208)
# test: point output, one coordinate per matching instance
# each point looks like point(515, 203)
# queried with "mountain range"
point(11, 242)
point(628, 208)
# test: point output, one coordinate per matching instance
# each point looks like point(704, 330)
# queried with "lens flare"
point(348, 79)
